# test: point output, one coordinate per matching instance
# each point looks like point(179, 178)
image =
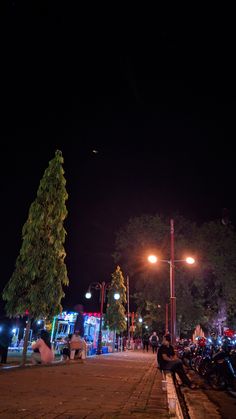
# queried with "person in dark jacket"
point(154, 339)
point(145, 342)
point(5, 341)
point(167, 360)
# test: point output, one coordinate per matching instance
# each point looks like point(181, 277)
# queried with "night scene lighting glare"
point(190, 260)
point(152, 259)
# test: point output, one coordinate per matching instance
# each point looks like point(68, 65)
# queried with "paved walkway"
point(120, 385)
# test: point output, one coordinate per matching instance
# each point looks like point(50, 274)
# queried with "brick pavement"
point(120, 385)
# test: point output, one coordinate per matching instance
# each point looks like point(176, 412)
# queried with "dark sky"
point(157, 105)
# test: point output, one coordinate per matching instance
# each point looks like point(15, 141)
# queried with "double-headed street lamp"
point(102, 287)
point(171, 262)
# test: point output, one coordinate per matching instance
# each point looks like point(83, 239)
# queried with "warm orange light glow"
point(190, 260)
point(152, 259)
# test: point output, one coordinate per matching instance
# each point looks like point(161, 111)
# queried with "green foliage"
point(152, 313)
point(202, 290)
point(115, 313)
point(40, 271)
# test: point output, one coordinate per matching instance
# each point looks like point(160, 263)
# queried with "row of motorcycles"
point(213, 358)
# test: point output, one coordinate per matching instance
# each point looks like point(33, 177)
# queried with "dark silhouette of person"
point(154, 339)
point(79, 323)
point(5, 341)
point(145, 342)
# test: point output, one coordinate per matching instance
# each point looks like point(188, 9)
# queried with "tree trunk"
point(26, 339)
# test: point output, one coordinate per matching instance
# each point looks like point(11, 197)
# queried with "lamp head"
point(190, 260)
point(152, 259)
point(88, 295)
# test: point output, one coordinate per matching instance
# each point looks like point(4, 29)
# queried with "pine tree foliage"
point(40, 273)
point(115, 313)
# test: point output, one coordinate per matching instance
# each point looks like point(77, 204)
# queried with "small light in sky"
point(95, 151)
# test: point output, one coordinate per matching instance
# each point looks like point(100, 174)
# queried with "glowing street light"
point(190, 260)
point(154, 259)
point(88, 295)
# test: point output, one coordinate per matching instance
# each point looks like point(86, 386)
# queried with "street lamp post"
point(128, 313)
point(102, 286)
point(172, 285)
point(171, 262)
point(167, 319)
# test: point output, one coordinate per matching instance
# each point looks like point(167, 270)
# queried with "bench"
point(166, 373)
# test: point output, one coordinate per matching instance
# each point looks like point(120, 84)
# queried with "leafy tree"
point(218, 261)
point(115, 312)
point(36, 284)
point(201, 290)
point(153, 314)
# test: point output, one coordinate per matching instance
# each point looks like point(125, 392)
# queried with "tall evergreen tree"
point(36, 285)
point(115, 313)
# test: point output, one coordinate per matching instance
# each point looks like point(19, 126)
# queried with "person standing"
point(145, 342)
point(5, 341)
point(154, 339)
point(79, 323)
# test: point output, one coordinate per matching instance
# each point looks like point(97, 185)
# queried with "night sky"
point(159, 109)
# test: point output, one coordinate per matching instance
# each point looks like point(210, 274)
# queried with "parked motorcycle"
point(220, 372)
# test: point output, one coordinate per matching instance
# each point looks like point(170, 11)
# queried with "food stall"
point(63, 325)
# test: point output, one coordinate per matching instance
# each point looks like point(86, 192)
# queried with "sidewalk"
point(121, 385)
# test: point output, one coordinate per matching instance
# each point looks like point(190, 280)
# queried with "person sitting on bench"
point(168, 360)
point(77, 346)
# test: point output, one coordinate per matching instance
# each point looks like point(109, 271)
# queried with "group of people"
point(74, 348)
point(152, 340)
